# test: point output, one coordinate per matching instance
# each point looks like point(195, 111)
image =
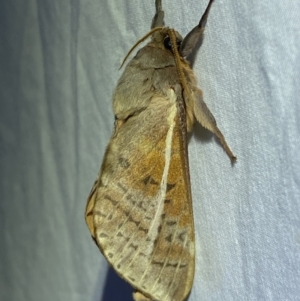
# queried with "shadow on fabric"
point(116, 288)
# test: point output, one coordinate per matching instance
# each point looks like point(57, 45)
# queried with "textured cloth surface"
point(59, 65)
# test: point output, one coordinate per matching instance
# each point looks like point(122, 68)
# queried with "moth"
point(139, 211)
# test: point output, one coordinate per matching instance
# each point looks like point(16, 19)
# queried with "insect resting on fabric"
point(139, 211)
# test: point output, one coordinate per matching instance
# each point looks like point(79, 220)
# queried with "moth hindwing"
point(139, 210)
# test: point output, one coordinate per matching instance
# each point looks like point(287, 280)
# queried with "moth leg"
point(207, 120)
point(137, 296)
point(158, 19)
point(195, 35)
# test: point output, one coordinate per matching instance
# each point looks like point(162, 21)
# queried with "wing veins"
point(130, 239)
point(166, 258)
point(125, 194)
point(170, 285)
point(162, 191)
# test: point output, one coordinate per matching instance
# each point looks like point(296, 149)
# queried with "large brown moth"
point(139, 211)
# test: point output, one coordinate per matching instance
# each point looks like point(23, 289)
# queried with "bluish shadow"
point(116, 289)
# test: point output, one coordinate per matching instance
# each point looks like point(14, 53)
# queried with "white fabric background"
point(58, 67)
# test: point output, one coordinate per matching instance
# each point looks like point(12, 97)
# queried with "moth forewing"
point(140, 209)
point(142, 213)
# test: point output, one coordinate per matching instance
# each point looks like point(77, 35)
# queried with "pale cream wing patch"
point(140, 211)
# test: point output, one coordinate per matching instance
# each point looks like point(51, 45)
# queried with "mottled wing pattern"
point(140, 210)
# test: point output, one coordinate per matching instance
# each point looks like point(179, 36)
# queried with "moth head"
point(193, 38)
point(168, 43)
point(162, 39)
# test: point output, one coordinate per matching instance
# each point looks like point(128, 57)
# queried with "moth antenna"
point(140, 41)
point(158, 19)
point(196, 34)
point(178, 63)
